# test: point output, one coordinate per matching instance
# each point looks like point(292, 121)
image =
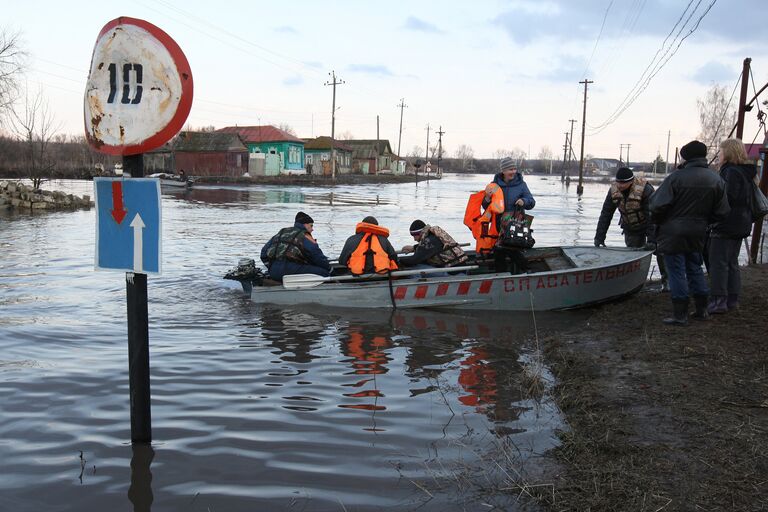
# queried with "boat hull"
point(598, 275)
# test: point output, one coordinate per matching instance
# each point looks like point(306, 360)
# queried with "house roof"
point(324, 142)
point(265, 133)
point(209, 141)
point(368, 148)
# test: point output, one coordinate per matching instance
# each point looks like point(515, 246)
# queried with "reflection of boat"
point(172, 181)
point(557, 278)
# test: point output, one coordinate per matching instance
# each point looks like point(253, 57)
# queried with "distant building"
point(210, 154)
point(269, 140)
point(317, 156)
point(371, 156)
point(603, 164)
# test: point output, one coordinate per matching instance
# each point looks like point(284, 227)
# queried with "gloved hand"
point(406, 249)
point(599, 243)
point(520, 202)
point(650, 246)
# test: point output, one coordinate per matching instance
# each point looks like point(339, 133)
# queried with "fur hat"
point(416, 226)
point(693, 149)
point(303, 218)
point(371, 220)
point(507, 163)
point(624, 174)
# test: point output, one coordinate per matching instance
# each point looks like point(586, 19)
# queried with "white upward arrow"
point(138, 246)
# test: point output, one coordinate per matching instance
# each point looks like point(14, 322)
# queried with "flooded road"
point(260, 408)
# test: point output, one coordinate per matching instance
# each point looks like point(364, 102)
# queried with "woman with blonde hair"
point(725, 237)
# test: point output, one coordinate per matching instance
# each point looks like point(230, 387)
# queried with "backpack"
point(516, 230)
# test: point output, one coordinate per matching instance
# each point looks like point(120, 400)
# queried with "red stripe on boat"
point(442, 289)
point(400, 292)
point(485, 286)
point(421, 291)
point(463, 288)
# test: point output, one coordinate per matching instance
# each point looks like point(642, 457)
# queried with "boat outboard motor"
point(247, 273)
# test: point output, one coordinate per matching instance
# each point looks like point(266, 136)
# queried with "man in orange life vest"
point(368, 251)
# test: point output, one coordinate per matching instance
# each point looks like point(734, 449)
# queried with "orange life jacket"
point(370, 245)
point(481, 222)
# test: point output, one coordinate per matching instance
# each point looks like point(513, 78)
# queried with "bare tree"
point(545, 153)
point(346, 135)
point(11, 67)
point(516, 153)
point(35, 126)
point(465, 154)
point(716, 117)
point(287, 128)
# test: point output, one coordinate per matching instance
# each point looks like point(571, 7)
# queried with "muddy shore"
point(662, 417)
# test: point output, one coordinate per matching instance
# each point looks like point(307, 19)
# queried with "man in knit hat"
point(630, 195)
point(434, 248)
point(686, 202)
point(293, 250)
point(369, 251)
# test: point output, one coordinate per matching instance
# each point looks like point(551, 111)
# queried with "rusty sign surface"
point(139, 89)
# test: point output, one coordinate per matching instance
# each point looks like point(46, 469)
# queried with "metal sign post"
point(138, 96)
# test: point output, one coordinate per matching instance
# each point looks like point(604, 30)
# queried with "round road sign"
point(139, 89)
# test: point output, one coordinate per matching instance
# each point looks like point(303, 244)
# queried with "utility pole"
point(402, 105)
point(426, 157)
point(666, 160)
point(628, 145)
point(378, 156)
point(334, 83)
point(580, 188)
point(440, 133)
point(743, 98)
point(565, 153)
point(570, 141)
point(621, 153)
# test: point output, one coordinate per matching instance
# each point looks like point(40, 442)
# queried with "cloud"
point(293, 81)
point(313, 64)
point(564, 68)
point(716, 72)
point(369, 69)
point(285, 29)
point(418, 25)
point(525, 21)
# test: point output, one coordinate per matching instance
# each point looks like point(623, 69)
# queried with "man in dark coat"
point(630, 195)
point(686, 202)
point(293, 250)
point(435, 248)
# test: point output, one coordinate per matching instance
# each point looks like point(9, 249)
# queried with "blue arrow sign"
point(128, 224)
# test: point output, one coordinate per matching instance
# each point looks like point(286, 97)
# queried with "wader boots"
point(679, 313)
point(702, 302)
point(732, 301)
point(718, 304)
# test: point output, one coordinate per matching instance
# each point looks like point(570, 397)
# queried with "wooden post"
point(757, 230)
point(743, 98)
point(138, 335)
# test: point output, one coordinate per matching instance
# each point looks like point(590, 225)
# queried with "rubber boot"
point(702, 303)
point(679, 313)
point(718, 304)
point(732, 301)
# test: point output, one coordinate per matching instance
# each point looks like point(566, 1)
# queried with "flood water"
point(261, 408)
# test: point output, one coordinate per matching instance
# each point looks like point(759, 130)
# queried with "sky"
point(493, 74)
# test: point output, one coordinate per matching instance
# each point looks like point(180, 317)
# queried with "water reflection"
point(140, 490)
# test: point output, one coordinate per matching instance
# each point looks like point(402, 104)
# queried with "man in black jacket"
point(686, 202)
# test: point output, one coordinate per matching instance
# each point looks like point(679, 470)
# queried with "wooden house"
point(270, 140)
point(371, 156)
point(317, 156)
point(210, 154)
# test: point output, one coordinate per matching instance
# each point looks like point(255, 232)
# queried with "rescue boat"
point(558, 278)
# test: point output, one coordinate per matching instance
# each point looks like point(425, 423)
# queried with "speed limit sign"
point(139, 89)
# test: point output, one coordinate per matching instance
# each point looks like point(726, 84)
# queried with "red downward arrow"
point(118, 212)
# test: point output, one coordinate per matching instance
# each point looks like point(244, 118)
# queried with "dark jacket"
point(514, 190)
point(738, 186)
point(352, 242)
point(685, 203)
point(609, 208)
point(427, 247)
point(316, 261)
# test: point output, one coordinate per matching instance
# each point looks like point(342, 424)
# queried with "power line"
point(654, 67)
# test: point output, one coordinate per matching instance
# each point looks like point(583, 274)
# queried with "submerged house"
point(262, 141)
point(317, 156)
point(371, 156)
